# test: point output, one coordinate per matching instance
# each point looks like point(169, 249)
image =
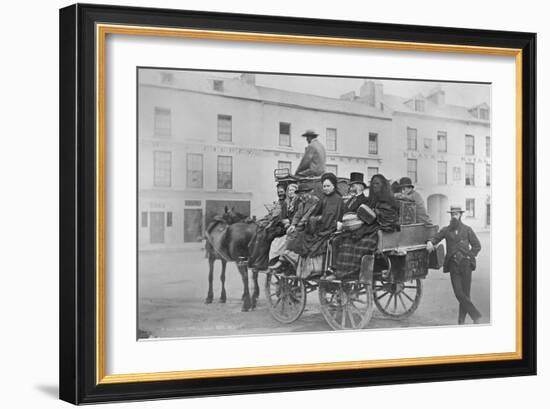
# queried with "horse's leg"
point(246, 295)
point(222, 278)
point(210, 294)
point(256, 292)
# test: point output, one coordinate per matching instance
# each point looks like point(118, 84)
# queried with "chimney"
point(249, 79)
point(379, 96)
point(372, 93)
point(366, 93)
point(437, 96)
point(348, 96)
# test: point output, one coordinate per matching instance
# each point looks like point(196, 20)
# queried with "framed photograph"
point(257, 204)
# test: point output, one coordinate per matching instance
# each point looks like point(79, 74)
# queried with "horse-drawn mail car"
point(393, 282)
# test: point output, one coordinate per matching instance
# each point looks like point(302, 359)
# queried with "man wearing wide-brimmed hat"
point(314, 160)
point(357, 187)
point(463, 247)
point(407, 192)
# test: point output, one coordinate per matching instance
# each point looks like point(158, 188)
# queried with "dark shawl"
point(328, 213)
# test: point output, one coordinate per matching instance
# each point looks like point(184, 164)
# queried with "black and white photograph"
point(276, 203)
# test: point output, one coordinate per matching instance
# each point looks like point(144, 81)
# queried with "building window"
point(168, 219)
point(331, 139)
point(419, 105)
point(225, 172)
point(484, 114)
point(442, 173)
point(224, 128)
point(194, 170)
point(488, 175)
point(163, 122)
point(411, 139)
point(470, 174)
point(411, 170)
point(373, 143)
point(332, 169)
point(285, 165)
point(427, 144)
point(441, 141)
point(470, 145)
point(218, 85)
point(162, 169)
point(470, 208)
point(371, 171)
point(144, 219)
point(488, 146)
point(284, 134)
point(457, 173)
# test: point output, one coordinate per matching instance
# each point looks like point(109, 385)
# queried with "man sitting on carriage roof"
point(314, 160)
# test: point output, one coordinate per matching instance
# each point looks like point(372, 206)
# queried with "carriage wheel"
point(346, 305)
point(286, 297)
point(397, 300)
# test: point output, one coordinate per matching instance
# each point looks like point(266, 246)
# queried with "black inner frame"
point(78, 220)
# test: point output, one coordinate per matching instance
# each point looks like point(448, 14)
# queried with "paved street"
point(173, 285)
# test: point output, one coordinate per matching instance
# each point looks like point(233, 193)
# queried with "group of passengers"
point(301, 223)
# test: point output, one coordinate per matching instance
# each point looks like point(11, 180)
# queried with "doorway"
point(192, 225)
point(157, 227)
point(437, 208)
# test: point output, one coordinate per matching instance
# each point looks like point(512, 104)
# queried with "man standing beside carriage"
point(463, 246)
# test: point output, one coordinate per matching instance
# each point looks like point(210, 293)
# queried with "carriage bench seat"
point(410, 237)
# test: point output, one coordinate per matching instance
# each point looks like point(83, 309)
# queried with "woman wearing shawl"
point(352, 246)
point(307, 250)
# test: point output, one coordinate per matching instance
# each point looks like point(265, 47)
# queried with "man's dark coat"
point(462, 240)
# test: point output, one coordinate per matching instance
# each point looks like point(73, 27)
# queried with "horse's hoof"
point(208, 301)
point(222, 300)
point(245, 309)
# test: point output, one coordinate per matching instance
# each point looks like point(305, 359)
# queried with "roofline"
point(382, 117)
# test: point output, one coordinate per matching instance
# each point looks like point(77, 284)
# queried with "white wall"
point(29, 240)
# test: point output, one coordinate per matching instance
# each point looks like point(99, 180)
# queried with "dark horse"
point(229, 217)
point(231, 243)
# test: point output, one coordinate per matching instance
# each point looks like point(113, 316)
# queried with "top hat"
point(311, 133)
point(304, 187)
point(405, 182)
point(357, 177)
point(456, 209)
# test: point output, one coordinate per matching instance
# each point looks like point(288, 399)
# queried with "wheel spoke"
point(402, 303)
point(383, 295)
point(395, 303)
point(407, 295)
point(350, 315)
point(388, 302)
point(343, 317)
